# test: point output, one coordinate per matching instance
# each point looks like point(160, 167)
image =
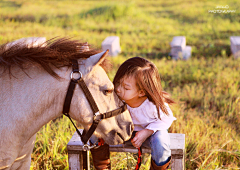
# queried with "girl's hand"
point(140, 137)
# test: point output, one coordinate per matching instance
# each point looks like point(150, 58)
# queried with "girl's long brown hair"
point(147, 79)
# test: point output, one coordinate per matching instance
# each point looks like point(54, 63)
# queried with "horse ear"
point(97, 58)
point(93, 60)
point(103, 57)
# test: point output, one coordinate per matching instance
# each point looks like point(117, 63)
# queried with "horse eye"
point(107, 92)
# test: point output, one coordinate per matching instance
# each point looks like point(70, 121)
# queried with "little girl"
point(138, 84)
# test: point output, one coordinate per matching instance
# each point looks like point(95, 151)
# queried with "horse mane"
point(57, 52)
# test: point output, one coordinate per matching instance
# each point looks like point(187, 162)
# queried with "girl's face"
point(128, 91)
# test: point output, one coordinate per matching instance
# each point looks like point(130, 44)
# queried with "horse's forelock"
point(58, 52)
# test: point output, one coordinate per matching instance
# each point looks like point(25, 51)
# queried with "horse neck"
point(29, 103)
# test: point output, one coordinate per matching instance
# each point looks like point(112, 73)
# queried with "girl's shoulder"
point(147, 106)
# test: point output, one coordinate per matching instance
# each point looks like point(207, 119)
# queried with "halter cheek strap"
point(97, 116)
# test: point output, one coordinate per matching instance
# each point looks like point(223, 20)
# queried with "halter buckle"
point(97, 117)
point(87, 147)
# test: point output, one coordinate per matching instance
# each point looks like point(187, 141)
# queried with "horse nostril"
point(131, 127)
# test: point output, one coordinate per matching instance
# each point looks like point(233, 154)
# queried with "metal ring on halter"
point(80, 75)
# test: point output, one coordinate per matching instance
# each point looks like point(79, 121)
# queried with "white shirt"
point(146, 117)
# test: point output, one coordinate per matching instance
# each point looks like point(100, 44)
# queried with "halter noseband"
point(97, 116)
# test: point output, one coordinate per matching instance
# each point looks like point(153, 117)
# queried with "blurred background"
point(206, 86)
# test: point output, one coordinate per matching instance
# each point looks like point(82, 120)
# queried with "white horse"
point(33, 84)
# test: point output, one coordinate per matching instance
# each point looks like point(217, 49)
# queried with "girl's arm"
point(140, 137)
point(161, 124)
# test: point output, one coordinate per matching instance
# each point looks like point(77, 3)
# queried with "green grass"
point(143, 27)
point(50, 151)
point(206, 88)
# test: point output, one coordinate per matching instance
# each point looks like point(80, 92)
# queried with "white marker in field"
point(112, 43)
point(29, 41)
point(235, 46)
point(179, 50)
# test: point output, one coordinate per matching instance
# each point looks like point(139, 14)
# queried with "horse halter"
point(97, 116)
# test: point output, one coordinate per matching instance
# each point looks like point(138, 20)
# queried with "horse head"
point(113, 130)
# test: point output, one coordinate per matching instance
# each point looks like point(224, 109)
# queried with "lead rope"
point(139, 161)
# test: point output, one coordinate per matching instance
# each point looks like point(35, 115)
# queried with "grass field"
point(206, 88)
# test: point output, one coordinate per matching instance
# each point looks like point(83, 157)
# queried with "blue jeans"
point(159, 143)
